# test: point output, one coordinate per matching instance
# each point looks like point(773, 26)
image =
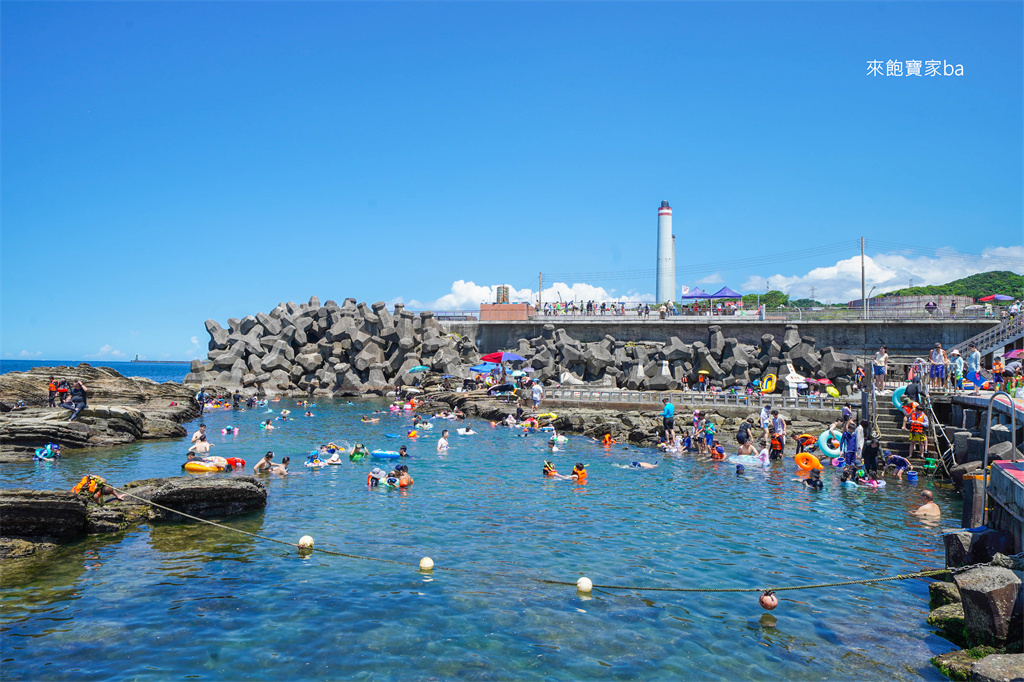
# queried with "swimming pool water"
point(196, 602)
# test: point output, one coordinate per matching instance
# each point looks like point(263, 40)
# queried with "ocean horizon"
point(157, 371)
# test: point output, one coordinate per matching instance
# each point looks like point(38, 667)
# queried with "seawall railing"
point(598, 396)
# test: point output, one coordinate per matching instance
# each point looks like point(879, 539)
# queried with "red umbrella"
point(996, 297)
point(501, 356)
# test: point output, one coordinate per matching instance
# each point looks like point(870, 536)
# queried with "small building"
point(506, 311)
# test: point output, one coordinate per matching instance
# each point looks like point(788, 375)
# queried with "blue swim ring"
point(896, 395)
point(823, 440)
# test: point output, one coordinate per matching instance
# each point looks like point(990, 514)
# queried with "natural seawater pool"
point(197, 602)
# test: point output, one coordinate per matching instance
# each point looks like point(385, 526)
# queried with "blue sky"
point(167, 163)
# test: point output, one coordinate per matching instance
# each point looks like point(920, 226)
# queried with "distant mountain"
point(975, 286)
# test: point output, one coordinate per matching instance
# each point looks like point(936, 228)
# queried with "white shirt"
point(442, 443)
point(881, 358)
point(538, 392)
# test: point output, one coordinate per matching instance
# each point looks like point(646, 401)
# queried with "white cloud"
point(714, 278)
point(195, 340)
point(106, 350)
point(29, 354)
point(469, 295)
point(888, 272)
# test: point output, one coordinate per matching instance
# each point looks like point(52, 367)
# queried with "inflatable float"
point(769, 384)
point(760, 459)
point(209, 465)
point(825, 441)
point(896, 395)
point(806, 461)
point(384, 454)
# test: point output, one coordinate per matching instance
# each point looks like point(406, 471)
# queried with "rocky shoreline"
point(35, 520)
point(355, 348)
point(121, 410)
point(642, 428)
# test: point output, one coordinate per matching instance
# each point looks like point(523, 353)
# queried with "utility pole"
point(540, 291)
point(863, 288)
point(812, 292)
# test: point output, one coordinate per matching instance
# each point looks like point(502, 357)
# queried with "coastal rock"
point(989, 595)
point(949, 618)
point(941, 593)
point(41, 514)
point(218, 335)
point(999, 668)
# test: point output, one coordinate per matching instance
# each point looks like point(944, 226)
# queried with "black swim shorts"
point(669, 424)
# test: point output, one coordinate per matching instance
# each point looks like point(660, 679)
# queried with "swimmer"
point(813, 481)
point(468, 431)
point(579, 473)
point(402, 452)
point(281, 468)
point(404, 479)
point(643, 465)
point(550, 472)
point(285, 413)
point(308, 414)
point(740, 470)
point(200, 432)
point(358, 452)
point(367, 420)
point(201, 447)
point(442, 442)
point(264, 464)
point(267, 426)
point(929, 508)
point(375, 477)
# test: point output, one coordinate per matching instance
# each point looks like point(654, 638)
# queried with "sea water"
point(173, 601)
point(157, 371)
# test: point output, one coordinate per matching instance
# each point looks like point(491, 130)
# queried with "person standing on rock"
point(743, 435)
point(668, 420)
point(879, 366)
point(51, 389)
point(201, 399)
point(779, 424)
point(78, 400)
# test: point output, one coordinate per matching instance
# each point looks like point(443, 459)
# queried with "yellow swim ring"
point(768, 385)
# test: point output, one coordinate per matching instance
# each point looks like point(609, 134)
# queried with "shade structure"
point(501, 356)
point(725, 292)
point(695, 293)
point(996, 297)
point(483, 367)
point(1014, 353)
point(419, 368)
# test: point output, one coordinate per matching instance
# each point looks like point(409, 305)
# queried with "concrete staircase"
point(996, 338)
point(893, 438)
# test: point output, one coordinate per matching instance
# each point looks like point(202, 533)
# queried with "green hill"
point(975, 286)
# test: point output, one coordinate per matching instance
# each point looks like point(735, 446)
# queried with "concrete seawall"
point(903, 337)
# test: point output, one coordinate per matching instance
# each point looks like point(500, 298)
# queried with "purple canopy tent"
point(695, 294)
point(725, 292)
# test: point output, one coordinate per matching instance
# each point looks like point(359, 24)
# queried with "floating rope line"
point(566, 583)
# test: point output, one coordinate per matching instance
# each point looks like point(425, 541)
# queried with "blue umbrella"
point(419, 368)
point(484, 367)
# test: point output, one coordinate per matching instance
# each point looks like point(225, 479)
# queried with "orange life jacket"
point(581, 475)
point(89, 483)
point(806, 439)
point(52, 388)
point(916, 421)
point(776, 443)
point(404, 481)
point(549, 471)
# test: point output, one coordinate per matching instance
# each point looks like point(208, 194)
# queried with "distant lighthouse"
point(666, 284)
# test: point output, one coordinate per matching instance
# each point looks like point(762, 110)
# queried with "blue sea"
point(157, 371)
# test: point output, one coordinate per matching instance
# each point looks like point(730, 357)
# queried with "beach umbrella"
point(996, 297)
point(502, 356)
point(418, 368)
point(1014, 353)
point(519, 373)
point(529, 369)
point(483, 367)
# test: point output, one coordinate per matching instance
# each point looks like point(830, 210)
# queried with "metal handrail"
point(988, 438)
point(1003, 333)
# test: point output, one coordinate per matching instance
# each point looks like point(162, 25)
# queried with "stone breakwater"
point(121, 410)
point(358, 348)
point(32, 520)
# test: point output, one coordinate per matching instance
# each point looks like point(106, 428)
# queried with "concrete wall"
point(903, 337)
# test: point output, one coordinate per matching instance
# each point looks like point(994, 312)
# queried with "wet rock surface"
point(32, 519)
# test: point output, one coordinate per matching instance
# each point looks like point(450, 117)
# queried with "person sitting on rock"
point(94, 487)
point(264, 464)
point(929, 508)
point(78, 400)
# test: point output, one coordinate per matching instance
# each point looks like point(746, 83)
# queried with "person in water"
point(929, 508)
point(740, 469)
point(375, 477)
point(549, 469)
point(193, 457)
point(403, 452)
point(367, 420)
point(281, 468)
point(442, 442)
point(308, 414)
point(898, 463)
point(643, 465)
point(813, 480)
point(201, 447)
point(358, 452)
point(579, 473)
point(267, 426)
point(264, 464)
point(200, 432)
point(404, 479)
point(747, 448)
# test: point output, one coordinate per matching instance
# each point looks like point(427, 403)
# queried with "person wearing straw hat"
point(956, 370)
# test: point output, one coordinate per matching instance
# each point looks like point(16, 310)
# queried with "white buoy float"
point(306, 543)
point(584, 584)
point(426, 564)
